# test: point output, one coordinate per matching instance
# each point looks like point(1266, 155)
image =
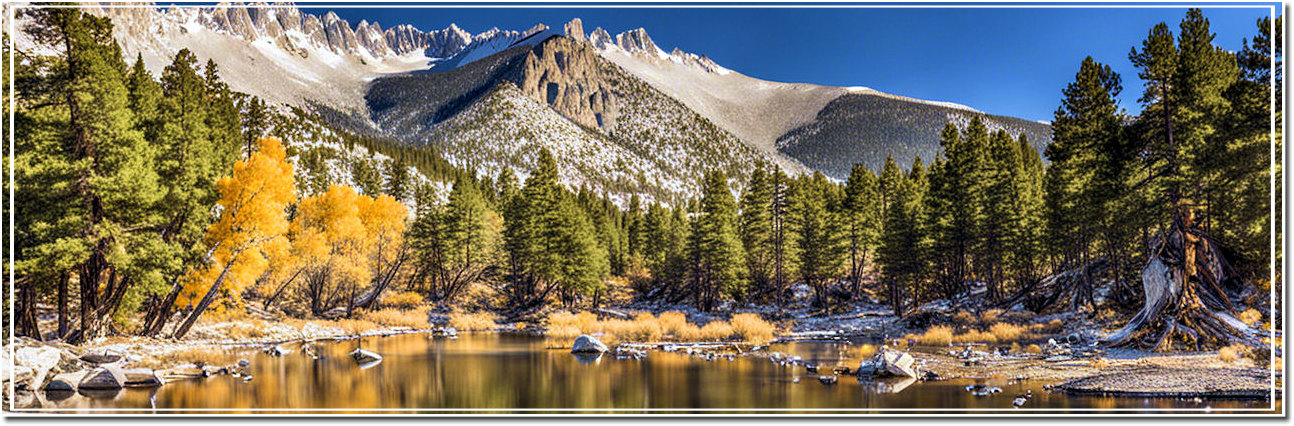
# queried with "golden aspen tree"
point(252, 226)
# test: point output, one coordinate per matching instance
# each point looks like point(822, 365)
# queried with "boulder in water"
point(142, 378)
point(892, 363)
point(108, 377)
point(65, 382)
point(363, 357)
point(586, 344)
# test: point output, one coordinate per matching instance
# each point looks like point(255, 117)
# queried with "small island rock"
point(586, 344)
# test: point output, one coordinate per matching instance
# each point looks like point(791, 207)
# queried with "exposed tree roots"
point(1187, 284)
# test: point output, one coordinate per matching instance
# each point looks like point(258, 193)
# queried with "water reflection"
point(489, 371)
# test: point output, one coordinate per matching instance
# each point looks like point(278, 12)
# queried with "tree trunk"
point(206, 300)
point(1185, 302)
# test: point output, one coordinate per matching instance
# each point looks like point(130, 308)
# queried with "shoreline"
point(1110, 373)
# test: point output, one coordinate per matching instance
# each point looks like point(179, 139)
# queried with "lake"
point(502, 373)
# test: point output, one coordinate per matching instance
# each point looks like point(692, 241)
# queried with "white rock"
point(587, 344)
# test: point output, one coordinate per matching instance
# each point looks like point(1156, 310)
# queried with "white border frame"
point(10, 11)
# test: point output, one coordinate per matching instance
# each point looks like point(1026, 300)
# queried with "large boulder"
point(142, 378)
point(107, 377)
point(586, 344)
point(65, 382)
point(101, 356)
point(40, 359)
point(891, 363)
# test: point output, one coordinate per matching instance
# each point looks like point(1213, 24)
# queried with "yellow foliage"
point(405, 300)
point(343, 239)
point(480, 321)
point(964, 318)
point(753, 329)
point(251, 227)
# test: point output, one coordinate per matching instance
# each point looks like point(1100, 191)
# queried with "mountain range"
point(621, 114)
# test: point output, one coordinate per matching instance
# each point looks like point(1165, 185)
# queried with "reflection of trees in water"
point(494, 371)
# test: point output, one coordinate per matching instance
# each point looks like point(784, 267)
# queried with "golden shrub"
point(405, 300)
point(478, 321)
point(753, 329)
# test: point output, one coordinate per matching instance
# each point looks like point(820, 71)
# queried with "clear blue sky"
point(1010, 61)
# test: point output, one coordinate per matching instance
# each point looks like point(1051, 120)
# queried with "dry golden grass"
point(1100, 362)
point(669, 326)
point(990, 316)
point(964, 318)
point(354, 325)
point(1251, 317)
point(717, 331)
point(187, 355)
point(975, 336)
point(479, 321)
point(934, 336)
point(753, 329)
point(1033, 349)
point(405, 300)
point(246, 330)
point(1233, 353)
point(1006, 332)
point(392, 317)
point(1054, 326)
point(1016, 348)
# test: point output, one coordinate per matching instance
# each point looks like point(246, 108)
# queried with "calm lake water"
point(492, 373)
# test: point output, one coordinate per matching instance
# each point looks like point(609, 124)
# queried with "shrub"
point(1233, 353)
point(753, 329)
point(1251, 317)
point(405, 300)
point(1005, 332)
point(716, 331)
point(1033, 349)
point(964, 318)
point(479, 321)
point(672, 323)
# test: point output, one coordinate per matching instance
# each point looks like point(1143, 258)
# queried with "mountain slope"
point(866, 127)
point(823, 128)
point(636, 138)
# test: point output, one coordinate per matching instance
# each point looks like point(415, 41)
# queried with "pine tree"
point(719, 267)
point(861, 217)
point(1002, 218)
point(104, 163)
point(756, 231)
point(819, 251)
point(900, 253)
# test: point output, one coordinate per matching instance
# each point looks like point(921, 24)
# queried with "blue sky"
point(1010, 61)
